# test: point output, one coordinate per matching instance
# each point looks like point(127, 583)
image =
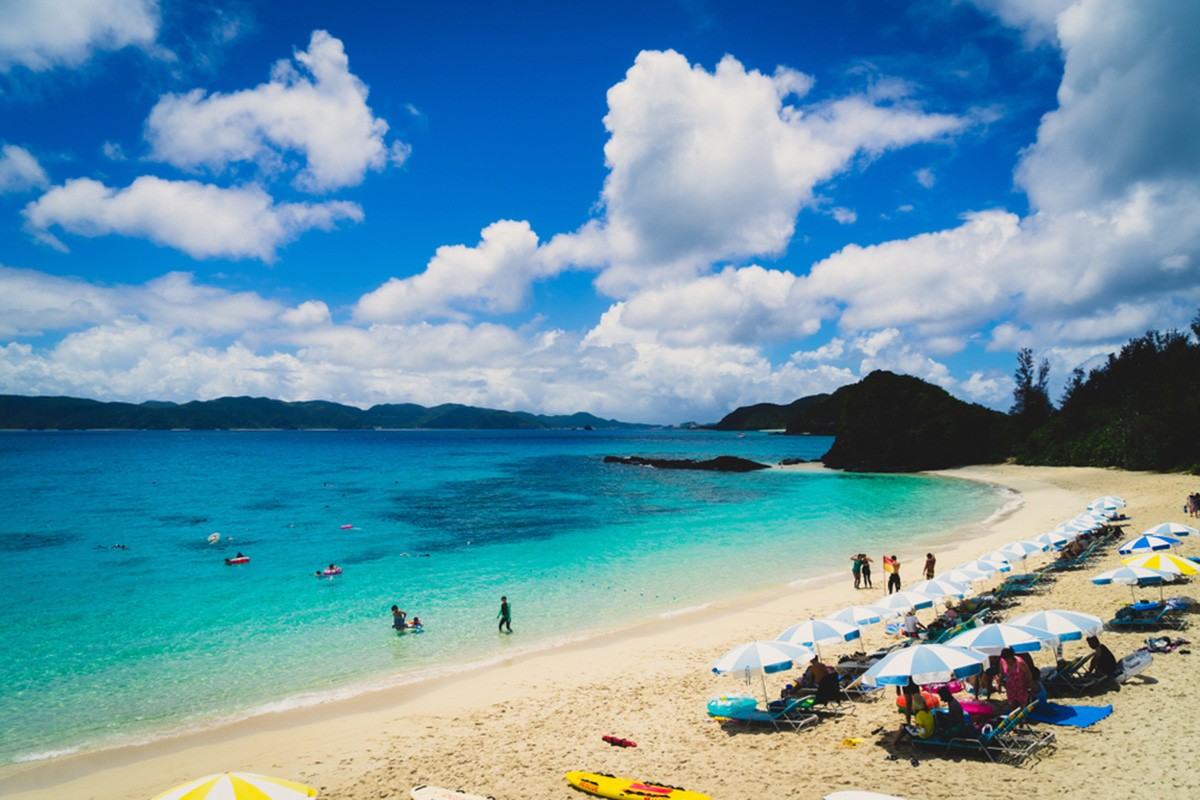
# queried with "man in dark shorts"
point(505, 615)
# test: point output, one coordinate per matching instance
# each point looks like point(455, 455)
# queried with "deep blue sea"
point(122, 623)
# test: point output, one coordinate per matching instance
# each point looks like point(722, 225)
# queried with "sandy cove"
point(513, 730)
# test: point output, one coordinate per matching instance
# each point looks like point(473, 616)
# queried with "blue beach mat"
point(1074, 716)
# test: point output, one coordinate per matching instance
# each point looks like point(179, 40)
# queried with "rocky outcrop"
point(718, 464)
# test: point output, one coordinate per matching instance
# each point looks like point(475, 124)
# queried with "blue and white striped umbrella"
point(861, 615)
point(762, 657)
point(1108, 501)
point(968, 576)
point(1066, 625)
point(1054, 539)
point(1093, 519)
point(1170, 529)
point(819, 631)
point(942, 587)
point(991, 639)
point(1022, 549)
point(925, 663)
point(1133, 576)
point(1073, 528)
point(903, 601)
point(1001, 560)
point(989, 568)
point(1148, 544)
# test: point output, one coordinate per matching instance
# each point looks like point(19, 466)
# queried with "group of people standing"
point(1192, 506)
point(860, 568)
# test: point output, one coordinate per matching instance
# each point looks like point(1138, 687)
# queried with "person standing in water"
point(505, 615)
point(399, 619)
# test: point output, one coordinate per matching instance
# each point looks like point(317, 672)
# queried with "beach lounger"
point(1078, 561)
point(830, 699)
point(1011, 740)
point(1154, 617)
point(1082, 683)
point(781, 715)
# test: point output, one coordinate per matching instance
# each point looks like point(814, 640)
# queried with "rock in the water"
point(718, 464)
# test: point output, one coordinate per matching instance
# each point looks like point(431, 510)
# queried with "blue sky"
point(655, 211)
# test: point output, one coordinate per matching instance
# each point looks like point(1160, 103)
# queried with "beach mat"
point(1074, 716)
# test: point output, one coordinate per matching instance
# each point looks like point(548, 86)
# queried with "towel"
point(1074, 716)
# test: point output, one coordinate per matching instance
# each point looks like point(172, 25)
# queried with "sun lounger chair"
point(1154, 616)
point(1011, 740)
point(781, 715)
point(830, 699)
point(1084, 683)
point(1078, 561)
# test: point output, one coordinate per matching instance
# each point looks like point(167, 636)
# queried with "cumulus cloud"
point(1036, 19)
point(493, 277)
point(203, 220)
point(20, 171)
point(313, 106)
point(710, 166)
point(46, 34)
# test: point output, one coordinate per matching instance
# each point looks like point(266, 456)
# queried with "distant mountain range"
point(259, 413)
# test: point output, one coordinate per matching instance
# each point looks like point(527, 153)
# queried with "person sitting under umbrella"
point(1102, 662)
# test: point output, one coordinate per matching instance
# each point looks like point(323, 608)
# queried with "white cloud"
point(202, 220)
point(493, 277)
point(20, 171)
point(1036, 19)
point(925, 177)
point(314, 106)
point(707, 166)
point(44, 34)
point(844, 216)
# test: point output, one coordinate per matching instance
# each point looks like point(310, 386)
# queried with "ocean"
point(122, 623)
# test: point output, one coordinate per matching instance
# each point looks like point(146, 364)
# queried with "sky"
point(650, 210)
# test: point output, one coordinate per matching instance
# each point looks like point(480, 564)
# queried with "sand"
point(513, 730)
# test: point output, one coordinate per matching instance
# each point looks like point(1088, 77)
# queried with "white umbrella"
point(925, 663)
point(1022, 549)
point(942, 587)
point(1073, 528)
point(1054, 539)
point(989, 568)
point(1108, 501)
point(1171, 529)
point(1001, 560)
point(816, 632)
point(238, 786)
point(964, 575)
point(1065, 625)
point(1134, 576)
point(1147, 544)
point(903, 601)
point(992, 639)
point(1092, 518)
point(761, 658)
point(860, 615)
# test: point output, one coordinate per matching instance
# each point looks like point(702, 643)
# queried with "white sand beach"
point(513, 730)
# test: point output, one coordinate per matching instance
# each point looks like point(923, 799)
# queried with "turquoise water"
point(106, 645)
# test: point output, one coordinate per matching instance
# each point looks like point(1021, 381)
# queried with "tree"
point(1031, 406)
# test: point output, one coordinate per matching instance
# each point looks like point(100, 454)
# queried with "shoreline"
point(543, 711)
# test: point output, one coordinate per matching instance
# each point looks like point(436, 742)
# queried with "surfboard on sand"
point(602, 785)
point(437, 793)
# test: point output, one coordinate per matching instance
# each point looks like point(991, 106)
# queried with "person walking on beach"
point(865, 561)
point(505, 615)
point(930, 566)
point(893, 584)
point(856, 569)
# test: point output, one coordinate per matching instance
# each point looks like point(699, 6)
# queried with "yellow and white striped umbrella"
point(1165, 562)
point(238, 786)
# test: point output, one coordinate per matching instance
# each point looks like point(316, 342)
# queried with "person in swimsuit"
point(399, 619)
point(505, 615)
point(856, 569)
point(930, 566)
point(865, 561)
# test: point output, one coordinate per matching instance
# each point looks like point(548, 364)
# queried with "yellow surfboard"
point(603, 785)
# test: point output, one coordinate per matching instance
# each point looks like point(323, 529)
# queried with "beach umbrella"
point(925, 663)
point(860, 615)
point(238, 786)
point(903, 601)
point(1064, 625)
point(991, 639)
point(816, 632)
point(1053, 539)
point(1001, 560)
point(1165, 562)
point(963, 575)
point(1108, 501)
point(1134, 576)
point(942, 587)
point(1170, 529)
point(989, 568)
point(1148, 543)
point(1073, 528)
point(1093, 519)
point(1022, 549)
point(762, 658)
